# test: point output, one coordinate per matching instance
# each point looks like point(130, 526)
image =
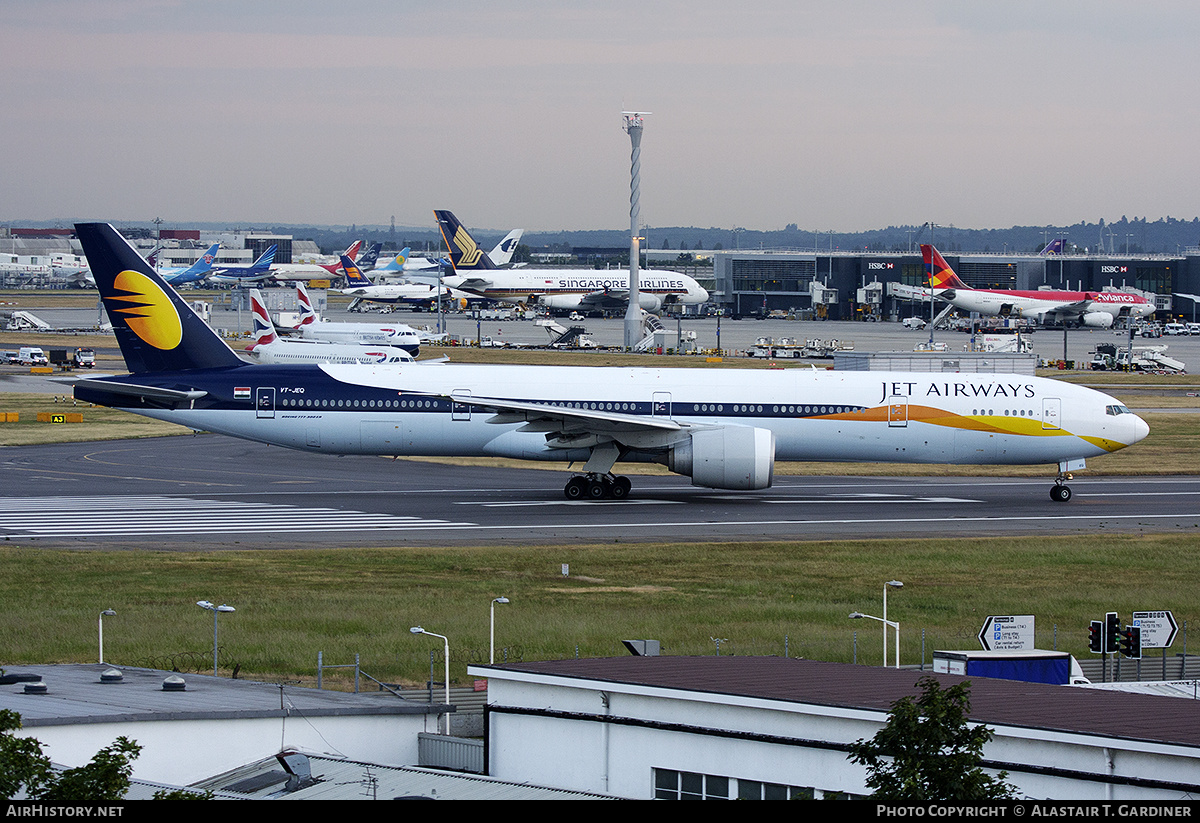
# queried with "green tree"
point(928, 751)
point(24, 766)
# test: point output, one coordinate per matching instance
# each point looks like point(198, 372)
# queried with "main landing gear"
point(1060, 492)
point(593, 486)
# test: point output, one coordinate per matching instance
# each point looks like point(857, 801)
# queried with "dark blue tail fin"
point(465, 254)
point(354, 275)
point(369, 258)
point(155, 328)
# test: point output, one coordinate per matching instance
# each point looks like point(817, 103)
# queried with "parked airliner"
point(723, 428)
point(566, 289)
point(268, 347)
point(390, 334)
point(1098, 309)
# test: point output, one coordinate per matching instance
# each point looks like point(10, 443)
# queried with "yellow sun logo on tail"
point(150, 313)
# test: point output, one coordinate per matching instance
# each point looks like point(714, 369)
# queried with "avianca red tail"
point(940, 275)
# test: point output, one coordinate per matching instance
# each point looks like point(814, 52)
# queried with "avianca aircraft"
point(723, 428)
point(581, 289)
point(394, 334)
point(270, 348)
point(1099, 309)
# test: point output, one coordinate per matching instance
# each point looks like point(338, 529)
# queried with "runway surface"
point(212, 492)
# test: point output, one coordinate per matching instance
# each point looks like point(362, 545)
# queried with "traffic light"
point(1096, 637)
point(1131, 642)
point(1112, 632)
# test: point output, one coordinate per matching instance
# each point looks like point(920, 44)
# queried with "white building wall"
point(183, 751)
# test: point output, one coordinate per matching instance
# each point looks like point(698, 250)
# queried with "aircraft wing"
point(474, 284)
point(605, 299)
point(567, 420)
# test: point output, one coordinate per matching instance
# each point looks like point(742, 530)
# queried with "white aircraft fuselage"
point(579, 288)
point(656, 415)
point(1099, 309)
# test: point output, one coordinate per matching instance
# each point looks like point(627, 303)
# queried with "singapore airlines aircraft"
point(1098, 309)
point(270, 348)
point(723, 428)
point(582, 289)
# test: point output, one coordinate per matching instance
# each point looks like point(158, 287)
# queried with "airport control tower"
point(633, 318)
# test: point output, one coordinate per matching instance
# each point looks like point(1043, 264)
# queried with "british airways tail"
point(465, 254)
point(307, 314)
point(264, 328)
point(940, 275)
point(155, 328)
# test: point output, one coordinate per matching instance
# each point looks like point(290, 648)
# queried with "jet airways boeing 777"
point(1087, 308)
point(566, 289)
point(723, 428)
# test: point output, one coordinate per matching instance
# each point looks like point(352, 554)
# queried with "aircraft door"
point(660, 404)
point(460, 411)
point(1051, 413)
point(264, 401)
point(898, 411)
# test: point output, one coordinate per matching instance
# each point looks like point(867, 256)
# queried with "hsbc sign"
point(880, 266)
point(1114, 269)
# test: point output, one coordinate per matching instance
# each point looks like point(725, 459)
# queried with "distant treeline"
point(1133, 235)
point(1167, 235)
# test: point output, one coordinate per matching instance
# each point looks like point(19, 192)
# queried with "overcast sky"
point(835, 115)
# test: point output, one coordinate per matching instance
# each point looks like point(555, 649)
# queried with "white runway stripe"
point(83, 516)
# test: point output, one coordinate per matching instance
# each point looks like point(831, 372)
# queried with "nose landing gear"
point(1060, 492)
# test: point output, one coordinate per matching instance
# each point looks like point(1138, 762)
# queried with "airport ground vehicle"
point(32, 356)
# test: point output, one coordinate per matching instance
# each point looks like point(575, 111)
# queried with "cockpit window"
point(1116, 409)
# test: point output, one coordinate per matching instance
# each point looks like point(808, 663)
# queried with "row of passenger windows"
point(1005, 412)
point(705, 408)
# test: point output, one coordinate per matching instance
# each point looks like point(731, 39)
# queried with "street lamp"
point(446, 641)
point(891, 584)
point(216, 610)
point(100, 621)
point(492, 653)
point(886, 623)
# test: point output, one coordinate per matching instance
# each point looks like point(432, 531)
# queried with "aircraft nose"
point(1140, 429)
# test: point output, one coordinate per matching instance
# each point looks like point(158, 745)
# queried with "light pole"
point(492, 653)
point(886, 623)
point(891, 584)
point(100, 621)
point(446, 654)
point(216, 610)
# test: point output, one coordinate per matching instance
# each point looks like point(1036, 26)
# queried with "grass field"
point(755, 598)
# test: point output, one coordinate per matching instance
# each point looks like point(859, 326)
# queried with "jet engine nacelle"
point(730, 457)
point(1098, 319)
point(560, 301)
point(650, 302)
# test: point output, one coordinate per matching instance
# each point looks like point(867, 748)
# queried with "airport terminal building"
point(843, 285)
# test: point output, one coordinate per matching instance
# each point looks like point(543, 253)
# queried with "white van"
point(1175, 328)
point(32, 356)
